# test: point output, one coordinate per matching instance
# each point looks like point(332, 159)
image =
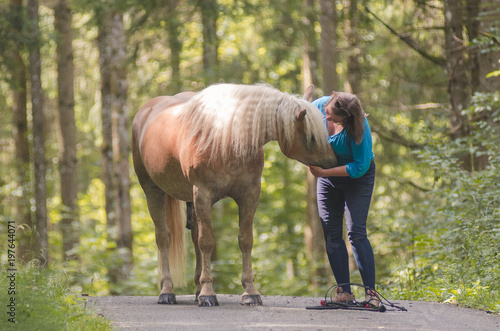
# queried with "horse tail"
point(177, 253)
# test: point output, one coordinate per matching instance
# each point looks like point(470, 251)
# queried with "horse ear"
point(301, 114)
point(308, 93)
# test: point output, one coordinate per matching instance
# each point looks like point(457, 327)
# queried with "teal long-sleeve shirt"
point(356, 157)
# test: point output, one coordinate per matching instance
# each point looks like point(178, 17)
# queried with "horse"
point(206, 146)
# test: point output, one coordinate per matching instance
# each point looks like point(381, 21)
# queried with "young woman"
point(347, 187)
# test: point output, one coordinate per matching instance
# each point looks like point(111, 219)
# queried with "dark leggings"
point(336, 194)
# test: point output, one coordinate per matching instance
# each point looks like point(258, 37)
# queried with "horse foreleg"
point(156, 205)
point(206, 243)
point(247, 207)
point(191, 220)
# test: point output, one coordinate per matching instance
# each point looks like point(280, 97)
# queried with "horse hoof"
point(196, 296)
point(167, 299)
point(207, 301)
point(251, 300)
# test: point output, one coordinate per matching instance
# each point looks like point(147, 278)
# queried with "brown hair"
point(348, 105)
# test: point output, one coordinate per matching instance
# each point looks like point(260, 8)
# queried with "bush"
point(456, 243)
point(44, 301)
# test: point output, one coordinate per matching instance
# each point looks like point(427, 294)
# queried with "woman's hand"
point(340, 171)
point(316, 171)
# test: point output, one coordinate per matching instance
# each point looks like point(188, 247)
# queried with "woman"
point(348, 187)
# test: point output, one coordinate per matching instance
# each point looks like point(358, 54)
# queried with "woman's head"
point(346, 108)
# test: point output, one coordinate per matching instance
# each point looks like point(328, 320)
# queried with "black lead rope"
point(328, 302)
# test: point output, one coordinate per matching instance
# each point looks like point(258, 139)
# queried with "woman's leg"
point(358, 199)
point(363, 254)
point(331, 212)
point(339, 262)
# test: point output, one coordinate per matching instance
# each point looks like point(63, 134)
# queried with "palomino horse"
point(203, 147)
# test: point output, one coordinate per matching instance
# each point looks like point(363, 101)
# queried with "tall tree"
point(313, 232)
point(472, 22)
point(122, 138)
point(173, 31)
point(458, 84)
point(481, 21)
point(105, 62)
point(310, 53)
point(477, 75)
point(209, 12)
point(114, 116)
point(351, 33)
point(105, 58)
point(20, 119)
point(328, 22)
point(40, 238)
point(466, 67)
point(68, 165)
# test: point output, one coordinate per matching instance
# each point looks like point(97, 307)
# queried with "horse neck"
point(283, 124)
point(272, 122)
point(263, 116)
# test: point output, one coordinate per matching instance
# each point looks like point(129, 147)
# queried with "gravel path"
point(283, 313)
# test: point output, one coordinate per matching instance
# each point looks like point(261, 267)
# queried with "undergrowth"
point(454, 240)
point(45, 301)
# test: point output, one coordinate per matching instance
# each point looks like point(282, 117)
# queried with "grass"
point(470, 295)
point(45, 301)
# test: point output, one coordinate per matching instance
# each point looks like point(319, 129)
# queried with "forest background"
point(73, 74)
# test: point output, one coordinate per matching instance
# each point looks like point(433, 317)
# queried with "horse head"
point(309, 143)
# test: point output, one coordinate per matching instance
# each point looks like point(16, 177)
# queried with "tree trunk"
point(173, 32)
point(40, 239)
point(310, 54)
point(115, 153)
point(68, 165)
point(20, 119)
point(477, 77)
point(472, 23)
point(209, 13)
point(314, 238)
point(328, 22)
point(458, 84)
point(480, 19)
point(108, 171)
point(313, 232)
point(351, 32)
point(122, 139)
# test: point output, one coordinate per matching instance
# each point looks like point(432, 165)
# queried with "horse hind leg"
point(156, 205)
point(247, 207)
point(206, 242)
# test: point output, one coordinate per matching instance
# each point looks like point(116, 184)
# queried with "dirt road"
point(284, 313)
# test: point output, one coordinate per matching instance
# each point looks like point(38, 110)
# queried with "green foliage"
point(46, 301)
point(454, 244)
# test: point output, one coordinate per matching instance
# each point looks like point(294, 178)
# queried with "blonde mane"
point(235, 121)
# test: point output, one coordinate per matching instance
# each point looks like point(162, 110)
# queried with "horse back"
point(156, 135)
point(155, 106)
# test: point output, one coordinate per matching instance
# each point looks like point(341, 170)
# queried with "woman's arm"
point(362, 155)
point(340, 171)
